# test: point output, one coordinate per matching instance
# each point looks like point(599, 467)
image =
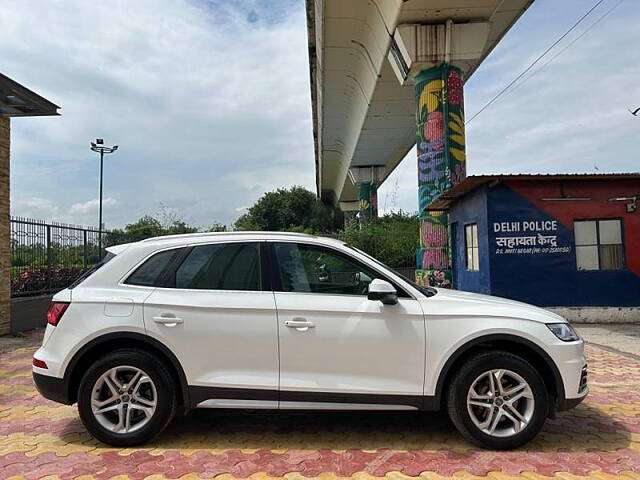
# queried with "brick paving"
point(599, 439)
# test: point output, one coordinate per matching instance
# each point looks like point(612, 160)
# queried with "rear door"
point(218, 318)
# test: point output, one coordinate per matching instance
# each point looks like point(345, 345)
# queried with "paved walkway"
point(624, 339)
point(599, 439)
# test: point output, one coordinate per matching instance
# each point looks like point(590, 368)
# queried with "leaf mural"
point(459, 139)
point(457, 118)
point(458, 154)
point(455, 127)
point(431, 96)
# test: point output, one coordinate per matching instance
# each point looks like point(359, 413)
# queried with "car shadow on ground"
point(583, 429)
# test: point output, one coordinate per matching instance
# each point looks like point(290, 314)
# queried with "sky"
point(209, 102)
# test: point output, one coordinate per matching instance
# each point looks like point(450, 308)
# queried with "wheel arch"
point(514, 344)
point(112, 341)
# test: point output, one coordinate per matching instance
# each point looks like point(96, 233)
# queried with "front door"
point(336, 346)
point(220, 323)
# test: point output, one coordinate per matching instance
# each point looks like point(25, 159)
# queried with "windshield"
point(427, 291)
point(108, 256)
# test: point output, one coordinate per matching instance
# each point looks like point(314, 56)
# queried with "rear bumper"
point(52, 388)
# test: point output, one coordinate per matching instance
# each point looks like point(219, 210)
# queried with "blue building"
point(549, 240)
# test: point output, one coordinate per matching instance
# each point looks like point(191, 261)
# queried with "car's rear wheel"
point(498, 400)
point(126, 398)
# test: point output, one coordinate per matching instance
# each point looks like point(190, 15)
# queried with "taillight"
point(55, 312)
point(39, 363)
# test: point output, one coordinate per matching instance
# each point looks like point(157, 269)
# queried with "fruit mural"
point(441, 164)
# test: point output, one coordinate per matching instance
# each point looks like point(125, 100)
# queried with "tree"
point(146, 227)
point(392, 239)
point(179, 227)
point(295, 209)
point(217, 227)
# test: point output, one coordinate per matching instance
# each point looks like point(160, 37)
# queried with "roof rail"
point(222, 234)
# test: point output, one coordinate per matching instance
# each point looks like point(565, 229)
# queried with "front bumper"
point(583, 390)
point(569, 403)
point(52, 388)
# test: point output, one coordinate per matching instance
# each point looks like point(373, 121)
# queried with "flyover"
point(386, 74)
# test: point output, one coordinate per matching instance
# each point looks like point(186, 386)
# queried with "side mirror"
point(382, 291)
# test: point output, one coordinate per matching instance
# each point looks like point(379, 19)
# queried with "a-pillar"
point(441, 164)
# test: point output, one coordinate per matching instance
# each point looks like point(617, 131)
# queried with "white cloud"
point(36, 208)
point(210, 107)
point(92, 206)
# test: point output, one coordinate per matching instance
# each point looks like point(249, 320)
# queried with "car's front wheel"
point(498, 400)
point(126, 398)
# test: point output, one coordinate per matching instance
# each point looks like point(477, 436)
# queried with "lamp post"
point(98, 146)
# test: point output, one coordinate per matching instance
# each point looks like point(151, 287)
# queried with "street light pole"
point(100, 214)
point(98, 146)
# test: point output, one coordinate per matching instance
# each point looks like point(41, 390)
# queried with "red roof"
point(444, 201)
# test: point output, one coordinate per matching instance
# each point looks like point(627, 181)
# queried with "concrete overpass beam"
point(348, 47)
point(415, 48)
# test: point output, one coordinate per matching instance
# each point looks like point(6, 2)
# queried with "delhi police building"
point(566, 241)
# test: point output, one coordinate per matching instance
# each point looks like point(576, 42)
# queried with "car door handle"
point(168, 321)
point(299, 324)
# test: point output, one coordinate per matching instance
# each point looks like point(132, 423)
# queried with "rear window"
point(148, 274)
point(226, 266)
point(92, 270)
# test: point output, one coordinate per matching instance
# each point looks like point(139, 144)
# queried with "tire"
point(475, 420)
point(150, 400)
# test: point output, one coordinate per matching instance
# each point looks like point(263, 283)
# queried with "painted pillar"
point(441, 164)
point(368, 199)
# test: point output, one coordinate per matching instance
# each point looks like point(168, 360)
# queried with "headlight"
point(563, 331)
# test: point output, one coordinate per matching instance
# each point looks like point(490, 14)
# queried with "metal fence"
point(46, 257)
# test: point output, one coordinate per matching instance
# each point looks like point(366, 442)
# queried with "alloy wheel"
point(124, 399)
point(500, 403)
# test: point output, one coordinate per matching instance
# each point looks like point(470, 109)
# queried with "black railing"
point(46, 257)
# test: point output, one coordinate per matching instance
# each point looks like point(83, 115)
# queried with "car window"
point(148, 274)
point(427, 291)
point(223, 266)
point(108, 256)
point(313, 269)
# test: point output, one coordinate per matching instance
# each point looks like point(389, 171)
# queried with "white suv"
point(292, 321)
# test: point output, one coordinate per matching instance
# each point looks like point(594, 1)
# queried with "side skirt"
point(220, 397)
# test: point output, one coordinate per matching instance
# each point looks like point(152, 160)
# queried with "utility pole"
point(98, 146)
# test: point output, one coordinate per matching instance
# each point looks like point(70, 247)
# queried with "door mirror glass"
point(382, 291)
